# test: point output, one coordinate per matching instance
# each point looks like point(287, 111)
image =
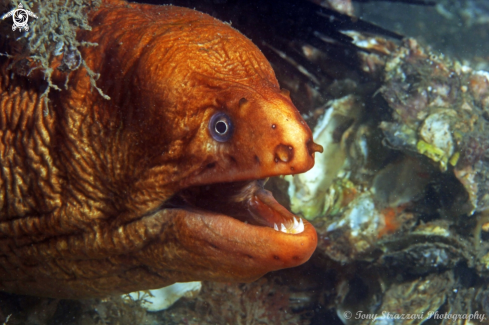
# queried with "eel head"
point(214, 110)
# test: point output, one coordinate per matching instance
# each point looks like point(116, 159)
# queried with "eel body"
point(162, 183)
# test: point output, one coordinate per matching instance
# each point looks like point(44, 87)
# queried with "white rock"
point(163, 298)
point(436, 131)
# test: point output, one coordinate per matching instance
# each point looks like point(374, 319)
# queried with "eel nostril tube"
point(313, 147)
point(283, 153)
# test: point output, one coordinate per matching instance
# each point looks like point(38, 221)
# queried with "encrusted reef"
point(402, 188)
point(440, 110)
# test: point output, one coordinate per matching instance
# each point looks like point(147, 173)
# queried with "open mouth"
point(246, 201)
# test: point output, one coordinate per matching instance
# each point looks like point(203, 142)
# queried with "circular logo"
point(20, 18)
point(347, 314)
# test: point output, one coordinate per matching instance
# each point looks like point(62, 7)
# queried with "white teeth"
point(296, 223)
point(301, 226)
point(296, 228)
point(283, 229)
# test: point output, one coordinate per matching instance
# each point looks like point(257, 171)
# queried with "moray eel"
point(162, 183)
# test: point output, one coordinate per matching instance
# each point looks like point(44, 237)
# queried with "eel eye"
point(221, 127)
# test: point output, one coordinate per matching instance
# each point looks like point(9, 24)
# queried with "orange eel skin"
point(164, 182)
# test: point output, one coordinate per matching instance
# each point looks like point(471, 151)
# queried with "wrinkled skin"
point(104, 196)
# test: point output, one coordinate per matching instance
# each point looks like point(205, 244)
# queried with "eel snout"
point(285, 144)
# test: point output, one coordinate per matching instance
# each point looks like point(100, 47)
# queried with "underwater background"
point(399, 197)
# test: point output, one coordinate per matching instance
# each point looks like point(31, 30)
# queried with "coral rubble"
point(404, 186)
point(265, 301)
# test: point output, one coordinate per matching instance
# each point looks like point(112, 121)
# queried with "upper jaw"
point(227, 170)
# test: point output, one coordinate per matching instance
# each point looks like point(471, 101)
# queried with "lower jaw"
point(246, 249)
point(215, 246)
